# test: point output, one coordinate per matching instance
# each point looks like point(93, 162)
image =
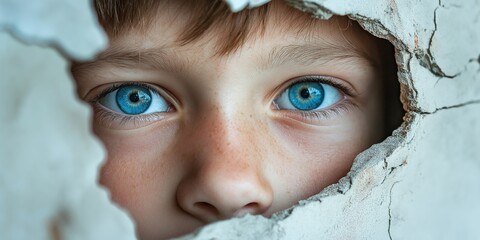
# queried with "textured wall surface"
point(48, 156)
point(423, 182)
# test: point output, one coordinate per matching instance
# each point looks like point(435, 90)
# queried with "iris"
point(306, 95)
point(133, 99)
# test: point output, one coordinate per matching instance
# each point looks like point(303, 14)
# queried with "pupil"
point(304, 93)
point(134, 97)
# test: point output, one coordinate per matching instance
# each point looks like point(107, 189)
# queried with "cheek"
point(315, 157)
point(137, 172)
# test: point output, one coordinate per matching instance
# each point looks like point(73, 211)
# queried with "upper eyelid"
point(115, 87)
point(344, 88)
point(335, 83)
point(161, 91)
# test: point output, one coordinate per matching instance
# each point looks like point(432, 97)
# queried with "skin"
point(225, 149)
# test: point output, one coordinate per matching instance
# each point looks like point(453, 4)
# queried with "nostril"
point(252, 205)
point(206, 209)
point(251, 208)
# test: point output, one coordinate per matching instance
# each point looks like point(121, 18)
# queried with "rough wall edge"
point(30, 39)
point(95, 41)
point(408, 92)
point(408, 95)
point(317, 10)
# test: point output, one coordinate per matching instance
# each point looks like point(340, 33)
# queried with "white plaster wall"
point(421, 183)
point(48, 156)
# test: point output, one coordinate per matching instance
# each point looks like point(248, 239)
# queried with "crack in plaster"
point(389, 172)
point(317, 10)
point(378, 29)
point(475, 59)
point(451, 107)
point(426, 59)
point(390, 211)
point(392, 169)
point(410, 100)
point(346, 186)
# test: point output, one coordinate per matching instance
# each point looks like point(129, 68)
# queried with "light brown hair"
point(117, 16)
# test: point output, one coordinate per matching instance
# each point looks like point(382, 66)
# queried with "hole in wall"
point(116, 131)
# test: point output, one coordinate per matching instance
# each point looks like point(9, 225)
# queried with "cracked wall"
point(423, 182)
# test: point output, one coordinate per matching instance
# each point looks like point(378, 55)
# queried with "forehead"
point(174, 24)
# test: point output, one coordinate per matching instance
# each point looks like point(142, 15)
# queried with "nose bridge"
point(228, 125)
point(219, 131)
point(228, 178)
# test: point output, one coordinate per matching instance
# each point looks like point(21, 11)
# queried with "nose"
point(213, 195)
point(227, 178)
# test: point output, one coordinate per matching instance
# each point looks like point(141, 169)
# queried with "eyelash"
point(327, 80)
point(116, 86)
point(109, 117)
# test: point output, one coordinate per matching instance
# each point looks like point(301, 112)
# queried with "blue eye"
point(308, 96)
point(134, 100)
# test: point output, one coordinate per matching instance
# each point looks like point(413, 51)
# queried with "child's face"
point(193, 137)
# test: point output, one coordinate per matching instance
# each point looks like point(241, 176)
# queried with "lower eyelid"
point(110, 119)
point(312, 117)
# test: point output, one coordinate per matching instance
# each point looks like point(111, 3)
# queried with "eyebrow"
point(160, 58)
point(310, 53)
point(163, 58)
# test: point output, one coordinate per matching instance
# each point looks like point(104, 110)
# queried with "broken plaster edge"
point(408, 92)
point(239, 5)
point(46, 31)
